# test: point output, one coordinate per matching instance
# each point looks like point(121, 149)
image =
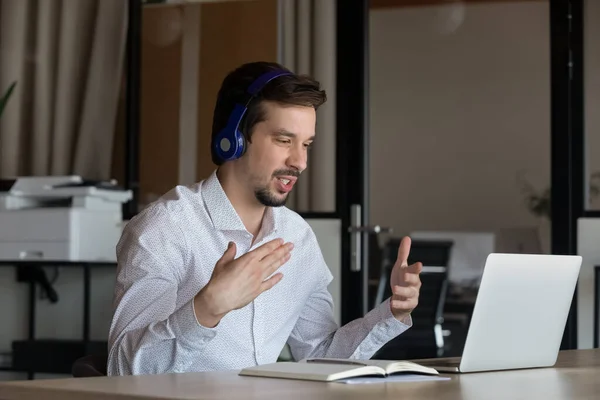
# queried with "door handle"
point(356, 230)
point(371, 229)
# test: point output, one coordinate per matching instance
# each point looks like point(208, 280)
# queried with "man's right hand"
point(235, 283)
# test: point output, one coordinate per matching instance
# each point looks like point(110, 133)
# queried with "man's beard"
point(266, 198)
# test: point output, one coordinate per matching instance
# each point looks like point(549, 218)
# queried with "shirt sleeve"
point(148, 333)
point(316, 334)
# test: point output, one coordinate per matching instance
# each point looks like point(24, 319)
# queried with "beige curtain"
point(67, 57)
point(308, 46)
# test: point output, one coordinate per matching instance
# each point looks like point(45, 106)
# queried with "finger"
point(275, 264)
point(272, 281)
point(404, 304)
point(412, 279)
point(229, 254)
point(404, 251)
point(415, 268)
point(265, 249)
point(406, 292)
point(277, 254)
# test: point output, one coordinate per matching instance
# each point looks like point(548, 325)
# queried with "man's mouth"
point(285, 183)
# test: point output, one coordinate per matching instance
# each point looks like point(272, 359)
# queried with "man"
point(220, 275)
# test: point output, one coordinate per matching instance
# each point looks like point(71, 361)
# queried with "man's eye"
point(283, 141)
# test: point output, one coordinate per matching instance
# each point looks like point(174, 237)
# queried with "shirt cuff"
point(188, 330)
point(406, 321)
point(385, 326)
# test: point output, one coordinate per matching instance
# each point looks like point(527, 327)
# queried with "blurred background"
point(457, 122)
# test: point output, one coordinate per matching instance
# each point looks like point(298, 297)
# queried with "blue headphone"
point(229, 144)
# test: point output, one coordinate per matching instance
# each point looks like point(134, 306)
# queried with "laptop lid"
point(521, 311)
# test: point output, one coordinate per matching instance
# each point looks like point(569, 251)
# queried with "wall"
point(460, 103)
point(160, 106)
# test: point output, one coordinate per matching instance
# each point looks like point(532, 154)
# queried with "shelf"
point(10, 369)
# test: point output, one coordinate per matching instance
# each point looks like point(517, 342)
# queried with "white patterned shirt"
point(167, 254)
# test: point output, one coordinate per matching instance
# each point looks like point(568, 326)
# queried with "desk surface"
point(575, 376)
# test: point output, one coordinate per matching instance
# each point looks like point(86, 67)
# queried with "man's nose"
point(297, 158)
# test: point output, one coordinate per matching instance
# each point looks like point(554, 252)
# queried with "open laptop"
point(520, 313)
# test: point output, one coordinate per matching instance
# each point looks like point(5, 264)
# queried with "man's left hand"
point(405, 283)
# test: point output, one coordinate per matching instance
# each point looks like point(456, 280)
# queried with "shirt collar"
point(223, 215)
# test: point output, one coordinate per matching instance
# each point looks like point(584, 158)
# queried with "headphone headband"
point(265, 78)
point(230, 144)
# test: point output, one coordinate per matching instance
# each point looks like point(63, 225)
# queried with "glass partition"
point(591, 92)
point(460, 139)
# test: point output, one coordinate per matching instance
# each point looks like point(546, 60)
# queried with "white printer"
point(60, 218)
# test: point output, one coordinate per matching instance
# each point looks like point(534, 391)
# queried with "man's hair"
point(294, 90)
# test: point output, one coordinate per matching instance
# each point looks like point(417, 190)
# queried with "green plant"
point(6, 96)
point(538, 202)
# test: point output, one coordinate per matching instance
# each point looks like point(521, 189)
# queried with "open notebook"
point(334, 369)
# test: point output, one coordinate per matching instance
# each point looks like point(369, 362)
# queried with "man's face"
point(278, 151)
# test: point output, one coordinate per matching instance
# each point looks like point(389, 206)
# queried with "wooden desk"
point(574, 377)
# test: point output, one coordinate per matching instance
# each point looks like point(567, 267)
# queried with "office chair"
point(89, 366)
point(424, 339)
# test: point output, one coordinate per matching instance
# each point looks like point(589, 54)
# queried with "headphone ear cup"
point(229, 146)
point(224, 145)
point(229, 143)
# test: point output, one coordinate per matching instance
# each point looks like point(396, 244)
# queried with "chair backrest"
point(434, 287)
point(89, 366)
point(432, 253)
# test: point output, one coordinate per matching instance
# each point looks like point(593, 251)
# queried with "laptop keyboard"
point(440, 363)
